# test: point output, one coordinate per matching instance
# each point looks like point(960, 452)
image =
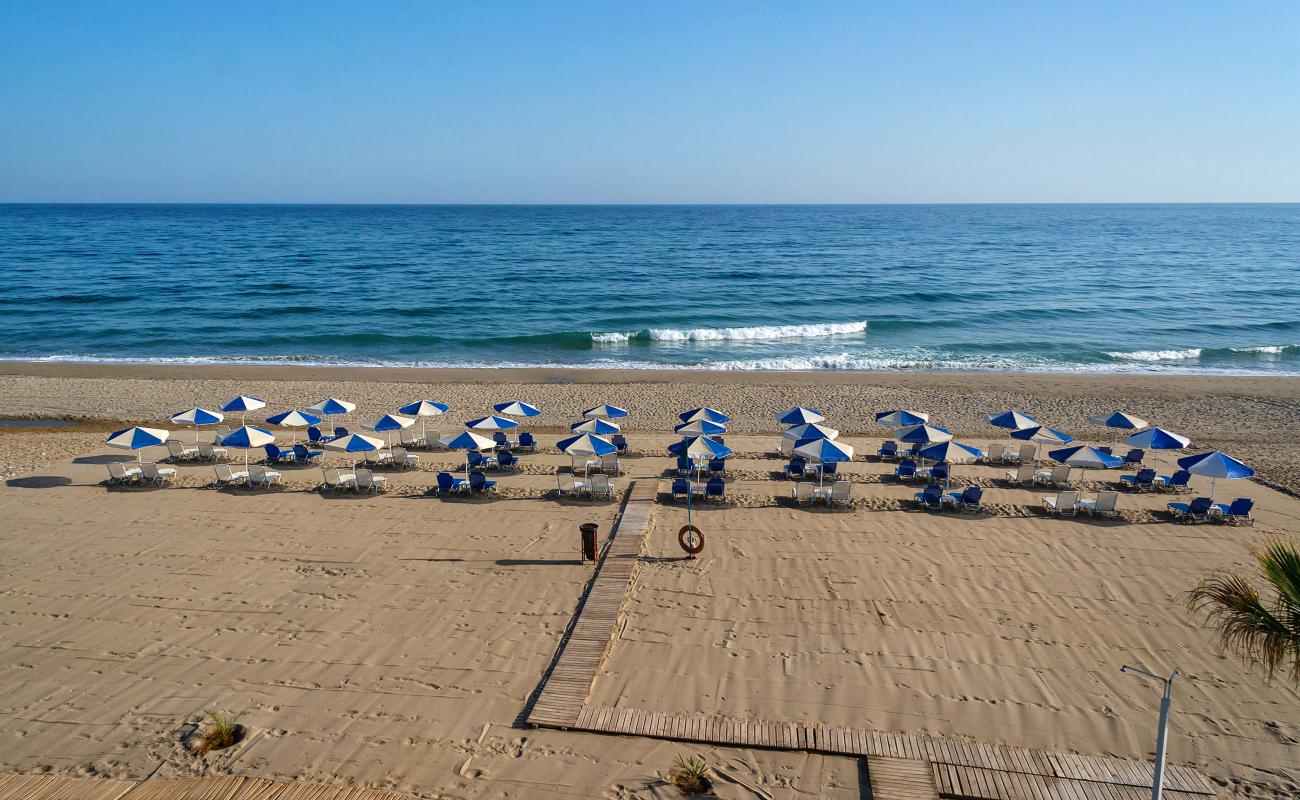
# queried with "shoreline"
point(562, 375)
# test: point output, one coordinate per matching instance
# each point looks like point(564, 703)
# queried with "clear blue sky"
point(649, 102)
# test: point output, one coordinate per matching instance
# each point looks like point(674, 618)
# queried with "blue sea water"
point(1073, 288)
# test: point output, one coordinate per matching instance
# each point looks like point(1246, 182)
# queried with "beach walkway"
point(233, 787)
point(900, 766)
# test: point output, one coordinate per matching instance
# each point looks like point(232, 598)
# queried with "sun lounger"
point(906, 470)
point(716, 489)
point(619, 442)
point(609, 465)
point(450, 484)
point(680, 488)
point(336, 479)
point(841, 492)
point(403, 459)
point(888, 451)
point(527, 442)
point(301, 455)
point(155, 474)
point(1106, 504)
point(1196, 511)
point(367, 481)
point(507, 460)
point(478, 482)
point(209, 453)
point(717, 466)
point(274, 455)
point(795, 468)
point(803, 492)
point(1058, 475)
point(1064, 504)
point(119, 473)
point(177, 451)
point(969, 499)
point(261, 476)
point(228, 477)
point(1144, 480)
point(1177, 483)
point(1236, 512)
point(1022, 474)
point(931, 498)
point(1133, 458)
point(601, 487)
point(994, 453)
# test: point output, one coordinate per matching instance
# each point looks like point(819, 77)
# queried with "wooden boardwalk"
point(233, 787)
point(565, 688)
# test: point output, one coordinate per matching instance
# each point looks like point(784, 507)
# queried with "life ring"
point(692, 548)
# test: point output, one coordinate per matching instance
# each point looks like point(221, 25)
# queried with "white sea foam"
point(755, 333)
point(1158, 355)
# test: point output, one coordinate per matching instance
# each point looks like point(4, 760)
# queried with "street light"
point(1157, 783)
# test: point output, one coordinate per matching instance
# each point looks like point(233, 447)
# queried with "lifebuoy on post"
point(691, 540)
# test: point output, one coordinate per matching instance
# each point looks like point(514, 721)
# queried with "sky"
point(663, 102)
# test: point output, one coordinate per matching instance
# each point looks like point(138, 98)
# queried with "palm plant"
point(1255, 628)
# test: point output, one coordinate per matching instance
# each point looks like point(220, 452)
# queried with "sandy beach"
point(394, 640)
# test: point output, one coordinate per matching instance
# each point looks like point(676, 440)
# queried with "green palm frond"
point(1258, 630)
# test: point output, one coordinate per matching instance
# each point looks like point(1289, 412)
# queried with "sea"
point(1042, 288)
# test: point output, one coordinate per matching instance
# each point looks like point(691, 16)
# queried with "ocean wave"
point(1203, 354)
point(1189, 354)
point(754, 333)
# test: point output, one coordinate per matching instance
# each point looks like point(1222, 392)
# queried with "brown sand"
point(394, 640)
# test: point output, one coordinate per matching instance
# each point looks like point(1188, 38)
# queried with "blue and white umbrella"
point(1041, 434)
point(331, 407)
point(517, 408)
point(1086, 458)
point(952, 452)
point(902, 418)
point(700, 427)
point(424, 408)
point(1158, 439)
point(195, 417)
point(293, 419)
point(586, 445)
point(1119, 419)
point(492, 423)
point(137, 439)
point(354, 443)
point(242, 404)
point(710, 414)
point(923, 434)
point(467, 441)
point(1215, 465)
point(607, 411)
point(810, 430)
point(699, 448)
point(799, 416)
point(1011, 420)
point(823, 451)
point(390, 422)
point(601, 427)
point(248, 438)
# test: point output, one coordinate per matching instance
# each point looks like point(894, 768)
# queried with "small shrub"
point(223, 731)
point(689, 775)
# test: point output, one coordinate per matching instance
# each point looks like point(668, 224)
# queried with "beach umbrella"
point(390, 422)
point(517, 408)
point(923, 434)
point(607, 411)
point(294, 418)
point(901, 418)
point(1157, 439)
point(952, 452)
point(823, 451)
point(196, 417)
point(1011, 420)
point(1041, 434)
point(137, 439)
point(242, 404)
point(586, 445)
point(332, 406)
point(710, 414)
point(354, 443)
point(597, 425)
point(1215, 465)
point(424, 408)
point(699, 449)
point(248, 438)
point(700, 427)
point(467, 441)
point(799, 416)
point(492, 423)
point(1086, 458)
point(810, 430)
point(1119, 419)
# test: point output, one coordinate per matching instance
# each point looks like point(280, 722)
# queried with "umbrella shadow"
point(538, 562)
point(104, 459)
point(39, 482)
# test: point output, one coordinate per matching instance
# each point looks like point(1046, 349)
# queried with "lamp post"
point(1157, 782)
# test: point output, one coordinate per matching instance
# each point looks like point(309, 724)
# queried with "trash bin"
point(588, 540)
